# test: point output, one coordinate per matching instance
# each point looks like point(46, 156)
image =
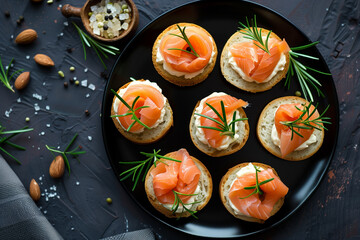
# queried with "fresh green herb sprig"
point(4, 75)
point(223, 126)
point(257, 185)
point(100, 48)
point(253, 33)
point(6, 140)
point(178, 202)
point(305, 79)
point(184, 37)
point(307, 123)
point(136, 171)
point(73, 152)
point(131, 111)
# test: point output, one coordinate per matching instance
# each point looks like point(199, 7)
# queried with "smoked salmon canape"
point(252, 192)
point(249, 67)
point(178, 186)
point(184, 54)
point(140, 112)
point(219, 125)
point(291, 128)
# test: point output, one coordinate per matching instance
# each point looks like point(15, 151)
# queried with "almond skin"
point(57, 167)
point(22, 80)
point(26, 37)
point(34, 190)
point(44, 60)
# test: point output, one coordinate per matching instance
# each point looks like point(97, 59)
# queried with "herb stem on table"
point(6, 140)
point(99, 48)
point(306, 80)
point(307, 123)
point(252, 32)
point(224, 127)
point(143, 166)
point(184, 37)
point(257, 185)
point(64, 153)
point(131, 111)
point(4, 75)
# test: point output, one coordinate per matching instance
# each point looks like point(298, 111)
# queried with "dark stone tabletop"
point(76, 205)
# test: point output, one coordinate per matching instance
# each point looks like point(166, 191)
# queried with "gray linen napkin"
point(20, 218)
point(144, 234)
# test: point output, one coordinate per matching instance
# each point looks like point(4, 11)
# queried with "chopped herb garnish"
point(136, 171)
point(73, 152)
point(305, 79)
point(257, 184)
point(253, 33)
point(131, 111)
point(178, 201)
point(5, 140)
point(184, 37)
point(223, 126)
point(307, 123)
point(100, 48)
point(4, 76)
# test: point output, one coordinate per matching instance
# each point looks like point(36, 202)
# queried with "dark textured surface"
point(81, 212)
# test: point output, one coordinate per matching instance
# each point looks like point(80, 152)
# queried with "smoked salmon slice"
point(181, 177)
point(214, 137)
point(289, 112)
point(148, 96)
point(255, 62)
point(182, 61)
point(254, 205)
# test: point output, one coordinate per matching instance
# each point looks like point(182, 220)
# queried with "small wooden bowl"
point(69, 11)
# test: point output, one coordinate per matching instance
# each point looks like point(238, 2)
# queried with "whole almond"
point(34, 190)
point(22, 80)
point(26, 37)
point(44, 60)
point(57, 167)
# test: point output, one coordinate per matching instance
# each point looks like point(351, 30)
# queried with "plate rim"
point(336, 112)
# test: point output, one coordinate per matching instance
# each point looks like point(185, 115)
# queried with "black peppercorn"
point(105, 27)
point(87, 113)
point(66, 84)
point(108, 11)
point(111, 17)
point(71, 80)
point(7, 14)
point(21, 18)
point(18, 22)
point(106, 17)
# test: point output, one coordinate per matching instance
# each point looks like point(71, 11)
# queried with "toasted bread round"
point(235, 79)
point(233, 147)
point(266, 122)
point(206, 187)
point(182, 81)
point(148, 135)
point(225, 186)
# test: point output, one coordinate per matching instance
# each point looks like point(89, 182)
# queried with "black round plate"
point(220, 19)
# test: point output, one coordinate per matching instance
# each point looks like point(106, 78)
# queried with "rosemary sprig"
point(252, 32)
point(136, 171)
point(223, 127)
point(305, 79)
point(100, 48)
point(307, 123)
point(178, 201)
point(257, 184)
point(73, 152)
point(5, 140)
point(4, 75)
point(131, 111)
point(184, 36)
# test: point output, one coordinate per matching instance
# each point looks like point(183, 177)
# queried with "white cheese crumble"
point(146, 82)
